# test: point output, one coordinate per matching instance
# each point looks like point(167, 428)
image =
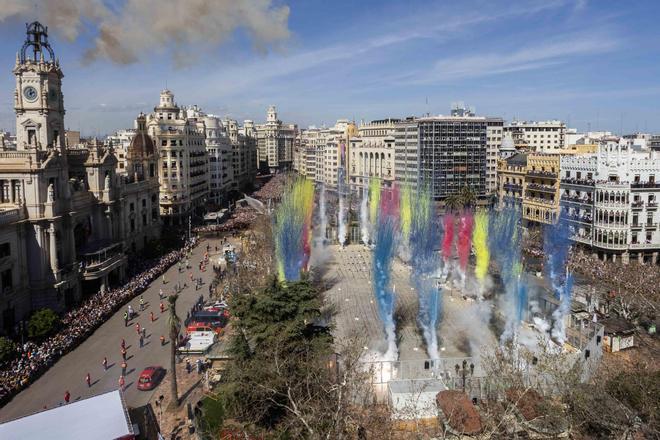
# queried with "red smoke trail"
point(448, 238)
point(464, 239)
point(307, 249)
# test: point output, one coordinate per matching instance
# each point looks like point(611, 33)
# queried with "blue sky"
point(593, 63)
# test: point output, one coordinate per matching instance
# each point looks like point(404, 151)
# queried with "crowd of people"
point(35, 358)
point(241, 218)
point(271, 190)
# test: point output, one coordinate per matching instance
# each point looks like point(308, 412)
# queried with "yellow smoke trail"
point(374, 199)
point(406, 211)
point(480, 243)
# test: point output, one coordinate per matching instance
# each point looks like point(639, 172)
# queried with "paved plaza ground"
point(348, 272)
point(69, 372)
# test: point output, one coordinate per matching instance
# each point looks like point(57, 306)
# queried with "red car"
point(150, 377)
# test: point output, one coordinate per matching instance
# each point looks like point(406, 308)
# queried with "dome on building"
point(141, 146)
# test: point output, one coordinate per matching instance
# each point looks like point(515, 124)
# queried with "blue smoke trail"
point(424, 236)
point(521, 303)
point(382, 262)
point(290, 245)
point(504, 241)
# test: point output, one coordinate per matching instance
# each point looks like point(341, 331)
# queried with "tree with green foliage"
point(8, 349)
point(42, 323)
point(285, 377)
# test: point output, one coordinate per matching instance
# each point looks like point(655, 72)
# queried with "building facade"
point(276, 142)
point(183, 160)
point(531, 180)
point(541, 137)
point(244, 153)
point(372, 153)
point(611, 199)
point(139, 189)
point(60, 207)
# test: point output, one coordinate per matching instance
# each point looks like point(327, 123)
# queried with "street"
point(70, 371)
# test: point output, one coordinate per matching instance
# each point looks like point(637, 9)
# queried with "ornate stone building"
point(64, 212)
point(276, 142)
point(183, 162)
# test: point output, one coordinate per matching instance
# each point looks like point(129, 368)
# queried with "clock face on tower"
point(30, 93)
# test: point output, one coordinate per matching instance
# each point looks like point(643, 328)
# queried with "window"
point(132, 207)
point(144, 219)
point(144, 203)
point(132, 225)
point(163, 143)
point(7, 281)
point(5, 250)
point(31, 135)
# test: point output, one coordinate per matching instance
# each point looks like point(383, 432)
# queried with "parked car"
point(150, 378)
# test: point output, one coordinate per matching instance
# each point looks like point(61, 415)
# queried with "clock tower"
point(38, 98)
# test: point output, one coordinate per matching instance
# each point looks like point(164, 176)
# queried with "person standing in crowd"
point(141, 341)
point(141, 303)
point(88, 379)
point(162, 307)
point(123, 343)
point(67, 396)
point(151, 316)
point(122, 382)
point(162, 340)
point(105, 363)
point(124, 366)
point(123, 353)
point(125, 319)
point(137, 328)
point(160, 294)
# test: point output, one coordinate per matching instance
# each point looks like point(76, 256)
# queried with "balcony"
point(587, 220)
point(636, 226)
point(651, 226)
point(100, 258)
point(586, 238)
point(647, 245)
point(637, 205)
point(577, 200)
point(542, 174)
point(577, 182)
point(10, 215)
point(512, 187)
point(645, 185)
point(540, 187)
point(651, 206)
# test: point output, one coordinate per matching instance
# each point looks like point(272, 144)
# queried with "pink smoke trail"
point(448, 238)
point(464, 239)
point(389, 203)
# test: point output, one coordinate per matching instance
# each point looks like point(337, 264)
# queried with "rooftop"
point(100, 417)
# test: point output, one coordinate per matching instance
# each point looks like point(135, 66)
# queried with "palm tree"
point(453, 202)
point(174, 324)
point(468, 197)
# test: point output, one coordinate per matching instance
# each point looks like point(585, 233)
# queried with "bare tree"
point(174, 325)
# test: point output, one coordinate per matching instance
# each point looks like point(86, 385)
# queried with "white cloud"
point(530, 57)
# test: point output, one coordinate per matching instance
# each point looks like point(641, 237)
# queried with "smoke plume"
point(139, 28)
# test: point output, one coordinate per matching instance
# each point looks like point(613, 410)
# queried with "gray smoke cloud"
point(139, 28)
